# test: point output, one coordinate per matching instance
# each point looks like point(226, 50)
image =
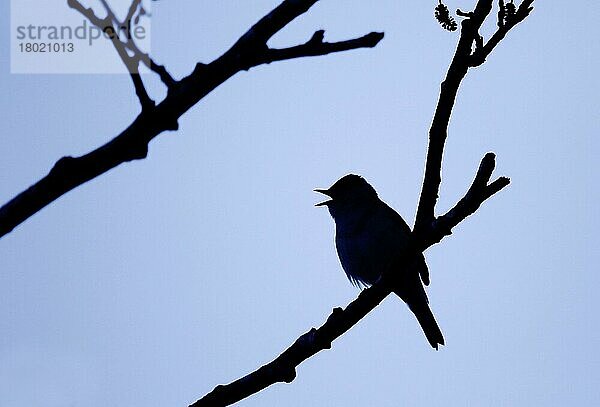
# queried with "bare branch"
point(479, 192)
point(463, 60)
point(158, 69)
point(316, 46)
point(132, 144)
point(129, 44)
point(107, 25)
point(283, 368)
point(501, 13)
point(87, 12)
point(135, 4)
point(439, 127)
point(482, 53)
point(261, 32)
point(110, 14)
point(467, 14)
point(132, 64)
point(140, 90)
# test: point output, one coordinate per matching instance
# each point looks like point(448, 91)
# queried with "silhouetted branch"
point(107, 25)
point(481, 53)
point(261, 32)
point(133, 65)
point(464, 58)
point(133, 8)
point(283, 368)
point(481, 189)
point(132, 144)
point(316, 46)
point(130, 44)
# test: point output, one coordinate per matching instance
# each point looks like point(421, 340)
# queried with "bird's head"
point(351, 194)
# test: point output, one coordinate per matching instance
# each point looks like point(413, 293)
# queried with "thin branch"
point(480, 190)
point(463, 59)
point(86, 12)
point(132, 9)
point(110, 14)
point(160, 70)
point(467, 14)
point(316, 46)
point(482, 53)
point(145, 58)
point(140, 90)
point(261, 32)
point(283, 368)
point(132, 144)
point(101, 23)
point(132, 64)
point(501, 13)
point(439, 127)
point(107, 25)
point(132, 46)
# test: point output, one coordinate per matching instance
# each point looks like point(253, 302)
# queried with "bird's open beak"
point(324, 192)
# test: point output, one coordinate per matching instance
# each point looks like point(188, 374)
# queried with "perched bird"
point(368, 233)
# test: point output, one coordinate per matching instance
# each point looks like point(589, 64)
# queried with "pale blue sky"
point(165, 277)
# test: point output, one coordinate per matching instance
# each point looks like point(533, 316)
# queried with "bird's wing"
point(401, 223)
point(349, 260)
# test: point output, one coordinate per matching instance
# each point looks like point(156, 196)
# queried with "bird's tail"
point(427, 321)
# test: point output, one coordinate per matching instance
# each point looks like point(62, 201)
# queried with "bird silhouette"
point(368, 234)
